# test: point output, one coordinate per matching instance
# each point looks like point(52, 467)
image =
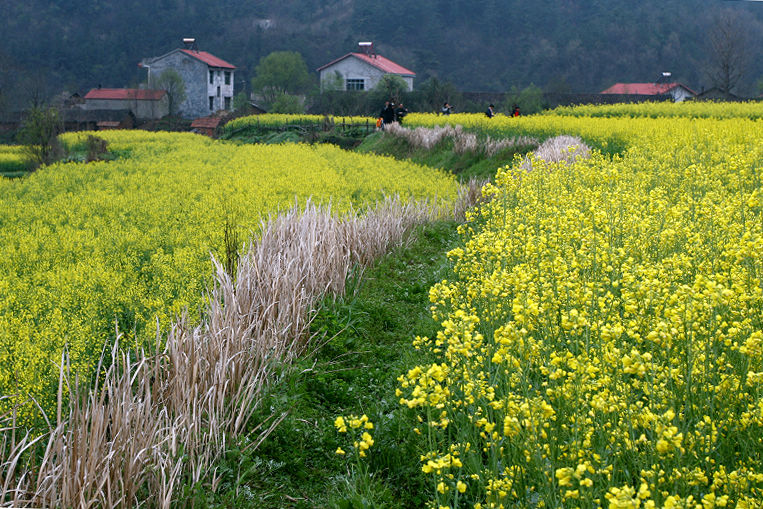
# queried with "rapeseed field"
point(89, 248)
point(601, 341)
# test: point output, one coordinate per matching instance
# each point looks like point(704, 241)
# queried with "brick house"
point(208, 79)
point(362, 70)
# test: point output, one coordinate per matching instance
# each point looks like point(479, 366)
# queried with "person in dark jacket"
point(446, 109)
point(490, 113)
point(388, 113)
point(400, 112)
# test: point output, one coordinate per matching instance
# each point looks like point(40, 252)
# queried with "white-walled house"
point(208, 79)
point(362, 71)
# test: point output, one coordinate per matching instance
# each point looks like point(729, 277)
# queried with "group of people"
point(396, 112)
point(392, 113)
point(490, 112)
point(447, 109)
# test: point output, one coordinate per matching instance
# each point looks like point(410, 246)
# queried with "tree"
point(332, 82)
point(171, 81)
point(287, 103)
point(728, 51)
point(281, 72)
point(39, 134)
point(390, 86)
point(529, 99)
point(241, 101)
point(435, 93)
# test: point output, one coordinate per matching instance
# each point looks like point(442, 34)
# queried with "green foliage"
point(40, 135)
point(287, 103)
point(391, 87)
point(529, 100)
point(96, 148)
point(241, 102)
point(434, 93)
point(171, 81)
point(334, 81)
point(482, 46)
point(281, 72)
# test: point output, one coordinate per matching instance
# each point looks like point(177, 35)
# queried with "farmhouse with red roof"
point(663, 86)
point(362, 70)
point(208, 79)
point(144, 104)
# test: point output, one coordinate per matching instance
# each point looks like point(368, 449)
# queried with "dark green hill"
point(489, 45)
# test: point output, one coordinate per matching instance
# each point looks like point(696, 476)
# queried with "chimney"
point(665, 78)
point(367, 48)
point(190, 43)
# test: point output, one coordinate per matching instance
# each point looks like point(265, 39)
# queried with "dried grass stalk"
point(463, 141)
point(154, 421)
point(563, 149)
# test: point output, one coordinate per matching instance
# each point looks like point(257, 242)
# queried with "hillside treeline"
point(487, 45)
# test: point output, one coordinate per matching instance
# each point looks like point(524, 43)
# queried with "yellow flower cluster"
point(601, 344)
point(13, 158)
point(364, 440)
point(128, 241)
point(665, 109)
point(281, 119)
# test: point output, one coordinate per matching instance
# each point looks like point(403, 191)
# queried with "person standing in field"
point(387, 114)
point(446, 109)
point(515, 113)
point(400, 112)
point(490, 113)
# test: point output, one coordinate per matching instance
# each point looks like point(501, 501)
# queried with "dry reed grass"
point(559, 149)
point(463, 141)
point(155, 421)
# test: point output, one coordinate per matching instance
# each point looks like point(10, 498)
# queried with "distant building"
point(716, 94)
point(363, 70)
point(662, 86)
point(144, 104)
point(208, 79)
point(206, 125)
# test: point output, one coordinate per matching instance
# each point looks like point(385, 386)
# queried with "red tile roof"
point(208, 58)
point(206, 123)
point(377, 61)
point(125, 93)
point(643, 88)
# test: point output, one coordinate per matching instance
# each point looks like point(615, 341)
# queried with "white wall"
point(353, 68)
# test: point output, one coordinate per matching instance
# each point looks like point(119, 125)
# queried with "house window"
point(218, 91)
point(356, 84)
point(211, 77)
point(227, 103)
point(211, 102)
point(227, 77)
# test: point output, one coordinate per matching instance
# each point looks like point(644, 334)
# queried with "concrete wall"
point(353, 68)
point(198, 88)
point(218, 90)
point(680, 94)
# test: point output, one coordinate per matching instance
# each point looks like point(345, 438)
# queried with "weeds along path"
point(159, 421)
point(158, 418)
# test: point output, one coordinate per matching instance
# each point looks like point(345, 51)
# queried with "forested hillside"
point(488, 45)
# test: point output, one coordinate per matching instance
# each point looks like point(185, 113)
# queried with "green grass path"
point(367, 337)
